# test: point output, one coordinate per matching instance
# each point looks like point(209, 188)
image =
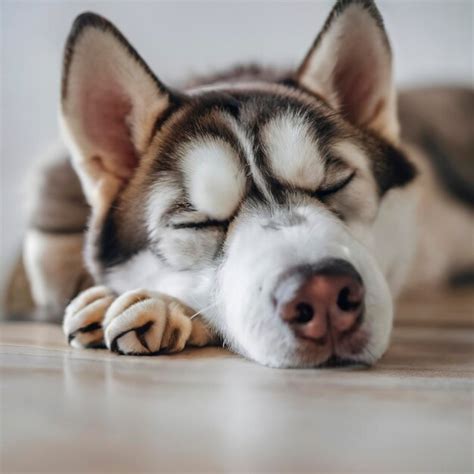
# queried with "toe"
point(83, 319)
point(178, 329)
point(138, 330)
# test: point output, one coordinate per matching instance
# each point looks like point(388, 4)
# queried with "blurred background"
point(432, 43)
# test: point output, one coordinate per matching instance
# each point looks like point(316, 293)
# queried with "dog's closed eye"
point(210, 223)
point(335, 187)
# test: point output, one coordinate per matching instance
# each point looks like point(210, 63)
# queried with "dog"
point(279, 213)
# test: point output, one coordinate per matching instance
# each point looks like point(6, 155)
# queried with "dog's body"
point(252, 197)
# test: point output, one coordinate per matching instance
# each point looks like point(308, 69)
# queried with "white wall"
point(432, 42)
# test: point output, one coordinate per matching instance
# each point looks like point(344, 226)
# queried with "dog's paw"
point(143, 322)
point(83, 317)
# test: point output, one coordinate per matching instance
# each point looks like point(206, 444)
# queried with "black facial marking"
point(221, 100)
point(261, 161)
point(390, 166)
point(112, 247)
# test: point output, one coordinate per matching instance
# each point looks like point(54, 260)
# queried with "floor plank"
point(207, 410)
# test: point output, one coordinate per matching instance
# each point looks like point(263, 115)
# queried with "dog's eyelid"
point(335, 187)
point(200, 224)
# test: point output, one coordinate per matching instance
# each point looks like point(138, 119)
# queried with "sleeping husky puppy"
point(274, 212)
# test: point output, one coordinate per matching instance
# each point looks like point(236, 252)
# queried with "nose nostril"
point(344, 300)
point(304, 313)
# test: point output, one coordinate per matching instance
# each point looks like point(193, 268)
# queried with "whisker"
point(202, 310)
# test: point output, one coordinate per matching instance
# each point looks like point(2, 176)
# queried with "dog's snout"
point(327, 300)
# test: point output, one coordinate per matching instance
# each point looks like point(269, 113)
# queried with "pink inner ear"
point(359, 81)
point(356, 89)
point(105, 112)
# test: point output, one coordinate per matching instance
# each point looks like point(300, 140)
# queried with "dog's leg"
point(53, 245)
point(138, 322)
point(55, 269)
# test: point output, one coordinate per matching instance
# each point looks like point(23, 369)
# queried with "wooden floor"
point(206, 410)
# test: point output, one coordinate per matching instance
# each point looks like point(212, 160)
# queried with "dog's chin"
point(336, 361)
point(303, 353)
point(329, 361)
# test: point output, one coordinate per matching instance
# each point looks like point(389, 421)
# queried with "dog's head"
point(264, 192)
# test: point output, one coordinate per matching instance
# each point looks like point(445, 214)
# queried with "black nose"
point(321, 300)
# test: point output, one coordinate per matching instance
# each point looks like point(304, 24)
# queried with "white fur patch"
point(213, 177)
point(249, 320)
point(293, 152)
point(352, 155)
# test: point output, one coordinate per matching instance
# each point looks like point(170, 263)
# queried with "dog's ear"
point(110, 103)
point(349, 65)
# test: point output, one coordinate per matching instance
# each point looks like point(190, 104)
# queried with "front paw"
point(143, 322)
point(83, 317)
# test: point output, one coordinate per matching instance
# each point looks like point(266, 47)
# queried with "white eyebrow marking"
point(213, 176)
point(292, 151)
point(352, 154)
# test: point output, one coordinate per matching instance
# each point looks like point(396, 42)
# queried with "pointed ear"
point(350, 66)
point(110, 102)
